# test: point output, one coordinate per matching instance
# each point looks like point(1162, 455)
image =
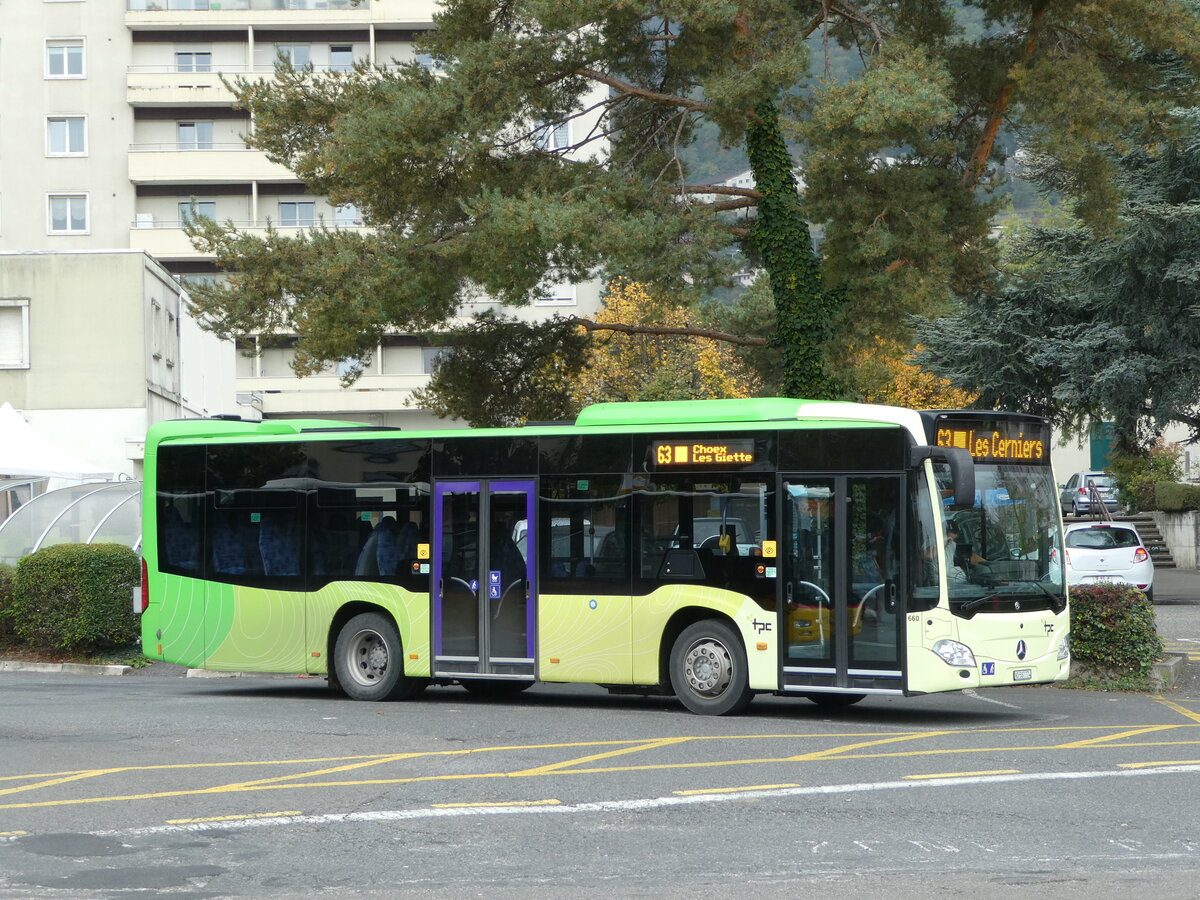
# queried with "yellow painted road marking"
point(1195, 717)
point(559, 766)
point(865, 741)
point(965, 774)
point(77, 776)
point(497, 803)
point(293, 812)
point(12, 833)
point(87, 773)
point(263, 782)
point(1110, 738)
point(734, 790)
point(837, 751)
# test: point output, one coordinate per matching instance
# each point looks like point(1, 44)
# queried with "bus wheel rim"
point(367, 657)
point(708, 667)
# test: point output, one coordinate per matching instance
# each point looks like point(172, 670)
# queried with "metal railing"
point(222, 69)
point(176, 224)
point(189, 146)
point(1097, 504)
point(238, 5)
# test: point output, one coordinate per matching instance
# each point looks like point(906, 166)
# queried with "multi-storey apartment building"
point(124, 127)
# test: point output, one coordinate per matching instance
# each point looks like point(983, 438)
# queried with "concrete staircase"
point(1160, 553)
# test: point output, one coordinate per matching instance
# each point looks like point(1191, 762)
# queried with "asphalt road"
point(164, 786)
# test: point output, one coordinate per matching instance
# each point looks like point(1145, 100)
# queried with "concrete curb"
point(17, 665)
point(1170, 672)
point(210, 673)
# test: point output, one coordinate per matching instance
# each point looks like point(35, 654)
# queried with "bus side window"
point(582, 545)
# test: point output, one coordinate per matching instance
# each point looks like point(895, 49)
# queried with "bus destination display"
point(999, 445)
point(703, 453)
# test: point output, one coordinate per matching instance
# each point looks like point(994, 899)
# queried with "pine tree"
point(455, 171)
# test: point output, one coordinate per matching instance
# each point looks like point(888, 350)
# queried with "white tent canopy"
point(25, 451)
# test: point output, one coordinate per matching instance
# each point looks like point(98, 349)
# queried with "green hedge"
point(1171, 496)
point(7, 575)
point(76, 597)
point(1112, 628)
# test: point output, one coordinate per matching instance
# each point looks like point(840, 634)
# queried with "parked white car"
point(1103, 552)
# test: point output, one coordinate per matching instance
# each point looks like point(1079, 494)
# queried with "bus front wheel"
point(708, 669)
point(368, 660)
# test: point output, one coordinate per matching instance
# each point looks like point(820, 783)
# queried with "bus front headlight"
point(1064, 646)
point(954, 654)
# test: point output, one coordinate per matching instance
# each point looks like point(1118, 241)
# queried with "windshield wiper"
point(972, 605)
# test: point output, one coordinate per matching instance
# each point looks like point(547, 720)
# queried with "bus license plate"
point(1022, 674)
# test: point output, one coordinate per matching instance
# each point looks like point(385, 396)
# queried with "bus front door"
point(484, 560)
point(842, 571)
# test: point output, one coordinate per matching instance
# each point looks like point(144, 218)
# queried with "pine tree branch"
point(999, 106)
point(664, 330)
point(632, 90)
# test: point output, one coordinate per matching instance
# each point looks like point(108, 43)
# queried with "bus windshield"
point(1004, 553)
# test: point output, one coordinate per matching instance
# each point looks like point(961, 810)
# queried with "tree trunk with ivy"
point(781, 238)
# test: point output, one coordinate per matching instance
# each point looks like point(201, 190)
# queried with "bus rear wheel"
point(369, 661)
point(708, 669)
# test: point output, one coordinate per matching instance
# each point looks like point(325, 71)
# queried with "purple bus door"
point(484, 556)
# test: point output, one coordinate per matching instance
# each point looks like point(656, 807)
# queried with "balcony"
point(161, 15)
point(323, 395)
point(173, 163)
point(166, 240)
point(168, 86)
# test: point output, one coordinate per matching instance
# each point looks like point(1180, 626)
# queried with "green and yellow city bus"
point(711, 549)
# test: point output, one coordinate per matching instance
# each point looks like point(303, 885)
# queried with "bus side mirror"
point(962, 471)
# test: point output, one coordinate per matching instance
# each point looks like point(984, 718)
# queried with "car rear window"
point(1102, 538)
point(1100, 480)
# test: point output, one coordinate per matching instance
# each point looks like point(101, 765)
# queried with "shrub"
point(1137, 475)
point(1171, 496)
point(7, 574)
point(1112, 629)
point(76, 597)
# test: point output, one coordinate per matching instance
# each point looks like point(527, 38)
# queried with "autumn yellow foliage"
point(884, 373)
point(657, 367)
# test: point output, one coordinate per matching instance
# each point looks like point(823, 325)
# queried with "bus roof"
point(687, 415)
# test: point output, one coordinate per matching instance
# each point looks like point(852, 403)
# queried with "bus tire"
point(834, 701)
point(369, 661)
point(709, 671)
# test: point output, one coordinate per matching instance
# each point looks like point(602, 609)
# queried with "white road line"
point(635, 805)
point(971, 693)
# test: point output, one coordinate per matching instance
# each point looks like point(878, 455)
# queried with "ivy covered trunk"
point(780, 235)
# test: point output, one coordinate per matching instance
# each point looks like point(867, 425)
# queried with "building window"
point(431, 358)
point(66, 135)
point(64, 58)
point(68, 213)
point(298, 55)
point(553, 137)
point(346, 216)
point(14, 332)
point(341, 57)
point(297, 212)
point(193, 60)
point(195, 135)
point(429, 62)
point(190, 210)
point(558, 295)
